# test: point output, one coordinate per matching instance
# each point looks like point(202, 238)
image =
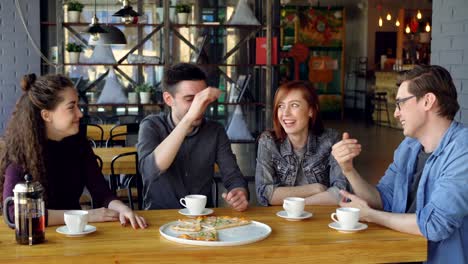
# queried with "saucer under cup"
point(359, 227)
point(284, 214)
point(185, 211)
point(65, 231)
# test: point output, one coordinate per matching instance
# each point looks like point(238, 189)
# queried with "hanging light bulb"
point(95, 37)
point(95, 29)
point(380, 22)
point(428, 27)
point(389, 16)
point(419, 15)
point(397, 23)
point(407, 29)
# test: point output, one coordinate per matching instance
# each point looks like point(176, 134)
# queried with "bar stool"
point(381, 107)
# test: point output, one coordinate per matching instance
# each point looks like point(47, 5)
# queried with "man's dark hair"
point(182, 72)
point(434, 79)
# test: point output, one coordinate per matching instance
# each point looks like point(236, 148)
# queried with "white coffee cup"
point(347, 217)
point(195, 203)
point(76, 220)
point(294, 206)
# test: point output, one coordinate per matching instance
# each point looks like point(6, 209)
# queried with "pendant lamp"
point(112, 36)
point(126, 12)
point(95, 29)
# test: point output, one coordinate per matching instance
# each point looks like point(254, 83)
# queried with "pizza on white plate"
point(222, 222)
point(206, 226)
point(206, 235)
point(188, 225)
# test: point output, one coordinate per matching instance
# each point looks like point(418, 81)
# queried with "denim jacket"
point(442, 197)
point(277, 165)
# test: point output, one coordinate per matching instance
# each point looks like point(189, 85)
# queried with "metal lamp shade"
point(96, 29)
point(114, 36)
point(126, 11)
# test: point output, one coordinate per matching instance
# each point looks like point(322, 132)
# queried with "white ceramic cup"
point(195, 203)
point(76, 220)
point(294, 206)
point(347, 217)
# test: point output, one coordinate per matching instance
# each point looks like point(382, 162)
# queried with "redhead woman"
point(295, 158)
point(42, 139)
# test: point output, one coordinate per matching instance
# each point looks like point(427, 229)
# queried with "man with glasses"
point(425, 189)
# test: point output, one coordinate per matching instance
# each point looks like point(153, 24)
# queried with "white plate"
point(358, 227)
point(284, 215)
point(185, 211)
point(234, 236)
point(64, 230)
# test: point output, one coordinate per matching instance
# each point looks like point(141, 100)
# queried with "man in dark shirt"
point(178, 151)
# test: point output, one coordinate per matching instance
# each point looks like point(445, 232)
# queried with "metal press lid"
point(28, 186)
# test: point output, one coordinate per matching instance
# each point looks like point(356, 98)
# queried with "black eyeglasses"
point(402, 100)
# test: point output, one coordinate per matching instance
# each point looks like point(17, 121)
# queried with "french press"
point(29, 212)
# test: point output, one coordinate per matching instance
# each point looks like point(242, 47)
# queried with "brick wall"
point(17, 56)
point(450, 46)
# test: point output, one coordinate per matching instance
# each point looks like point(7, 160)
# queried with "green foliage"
point(144, 87)
point(75, 6)
point(73, 47)
point(183, 8)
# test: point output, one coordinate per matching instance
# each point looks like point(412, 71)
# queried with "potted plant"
point(132, 96)
point(74, 11)
point(145, 92)
point(183, 11)
point(74, 51)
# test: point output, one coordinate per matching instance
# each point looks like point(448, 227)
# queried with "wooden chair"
point(128, 182)
point(91, 119)
point(86, 200)
point(100, 134)
point(130, 136)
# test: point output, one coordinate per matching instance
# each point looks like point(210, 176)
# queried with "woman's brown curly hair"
point(25, 135)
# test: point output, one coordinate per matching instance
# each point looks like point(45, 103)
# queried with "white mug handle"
point(286, 205)
point(333, 215)
point(182, 202)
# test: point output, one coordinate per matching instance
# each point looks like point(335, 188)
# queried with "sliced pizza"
point(222, 222)
point(188, 225)
point(207, 235)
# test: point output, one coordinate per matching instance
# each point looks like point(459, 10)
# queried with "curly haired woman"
point(42, 139)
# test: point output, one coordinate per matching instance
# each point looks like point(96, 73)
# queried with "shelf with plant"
point(74, 50)
point(144, 90)
point(74, 9)
point(183, 11)
point(175, 25)
point(115, 64)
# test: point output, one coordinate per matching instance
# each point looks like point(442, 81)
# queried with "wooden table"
point(126, 165)
point(308, 241)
